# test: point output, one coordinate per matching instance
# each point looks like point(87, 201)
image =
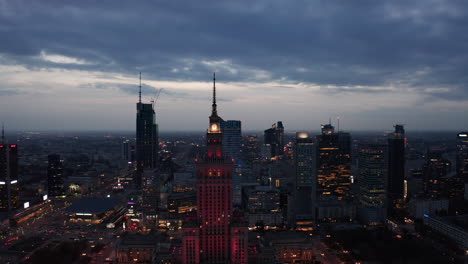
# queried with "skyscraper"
point(232, 136)
point(396, 166)
point(215, 238)
point(9, 186)
point(55, 181)
point(435, 170)
point(274, 137)
point(306, 178)
point(333, 164)
point(372, 183)
point(462, 156)
point(146, 138)
point(305, 159)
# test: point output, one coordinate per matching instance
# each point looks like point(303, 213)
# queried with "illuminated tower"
point(9, 189)
point(216, 238)
point(333, 164)
point(146, 138)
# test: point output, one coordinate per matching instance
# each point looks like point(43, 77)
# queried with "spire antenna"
point(3, 133)
point(214, 87)
point(139, 92)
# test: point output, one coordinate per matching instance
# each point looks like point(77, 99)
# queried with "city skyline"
point(316, 61)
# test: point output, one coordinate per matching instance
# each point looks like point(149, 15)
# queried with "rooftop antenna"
point(214, 87)
point(213, 106)
point(139, 92)
point(329, 120)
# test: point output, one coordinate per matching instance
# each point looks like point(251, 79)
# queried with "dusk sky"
point(75, 66)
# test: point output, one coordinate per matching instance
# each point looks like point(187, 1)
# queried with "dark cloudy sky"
point(67, 65)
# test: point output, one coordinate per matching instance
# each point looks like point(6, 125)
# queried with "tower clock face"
point(214, 127)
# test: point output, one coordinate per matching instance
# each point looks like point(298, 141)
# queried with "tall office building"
point(150, 193)
point(306, 178)
point(305, 159)
point(462, 156)
point(146, 138)
point(232, 137)
point(435, 169)
point(396, 167)
point(126, 150)
point(55, 180)
point(250, 149)
point(333, 164)
point(9, 186)
point(274, 137)
point(214, 237)
point(373, 170)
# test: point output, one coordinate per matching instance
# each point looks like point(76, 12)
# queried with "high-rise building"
point(55, 179)
point(373, 170)
point(232, 137)
point(126, 150)
point(435, 170)
point(333, 164)
point(396, 167)
point(274, 137)
point(146, 138)
point(305, 160)
point(9, 186)
point(306, 178)
point(215, 238)
point(462, 156)
point(150, 193)
point(250, 149)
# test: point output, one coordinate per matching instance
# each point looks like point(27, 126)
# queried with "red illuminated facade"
point(215, 236)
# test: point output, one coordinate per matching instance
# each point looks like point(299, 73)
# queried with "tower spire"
point(214, 111)
point(3, 133)
point(139, 92)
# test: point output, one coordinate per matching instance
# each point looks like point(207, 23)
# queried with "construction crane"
point(155, 98)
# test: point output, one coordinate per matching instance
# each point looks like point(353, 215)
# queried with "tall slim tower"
point(396, 167)
point(306, 178)
point(55, 181)
point(215, 238)
point(146, 138)
point(9, 187)
point(373, 168)
point(232, 136)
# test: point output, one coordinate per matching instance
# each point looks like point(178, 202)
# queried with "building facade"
point(146, 139)
point(373, 170)
point(333, 164)
point(9, 186)
point(55, 177)
point(462, 156)
point(396, 167)
point(274, 137)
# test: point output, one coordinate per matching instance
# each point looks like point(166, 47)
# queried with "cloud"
point(269, 49)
